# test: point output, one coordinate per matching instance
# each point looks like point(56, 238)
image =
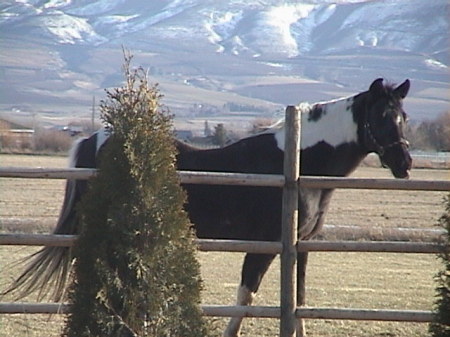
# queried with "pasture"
point(355, 280)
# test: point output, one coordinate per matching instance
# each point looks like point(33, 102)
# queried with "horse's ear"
point(377, 88)
point(402, 89)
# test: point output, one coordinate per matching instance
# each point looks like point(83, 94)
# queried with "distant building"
point(14, 135)
point(73, 130)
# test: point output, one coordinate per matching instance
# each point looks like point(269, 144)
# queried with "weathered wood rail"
point(244, 179)
point(251, 311)
point(257, 247)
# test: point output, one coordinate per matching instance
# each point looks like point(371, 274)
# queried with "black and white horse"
point(336, 136)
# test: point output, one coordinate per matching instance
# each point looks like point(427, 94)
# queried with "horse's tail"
point(48, 269)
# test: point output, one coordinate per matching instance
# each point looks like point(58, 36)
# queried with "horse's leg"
point(253, 270)
point(302, 257)
point(302, 260)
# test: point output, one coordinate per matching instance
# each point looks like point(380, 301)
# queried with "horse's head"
point(383, 126)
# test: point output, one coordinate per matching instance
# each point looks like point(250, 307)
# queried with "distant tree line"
point(431, 135)
point(232, 106)
point(204, 109)
point(428, 135)
point(42, 140)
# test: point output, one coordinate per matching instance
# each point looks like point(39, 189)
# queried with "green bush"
point(135, 272)
point(441, 325)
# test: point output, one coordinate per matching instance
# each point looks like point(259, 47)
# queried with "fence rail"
point(249, 246)
point(322, 313)
point(252, 311)
point(244, 179)
point(256, 247)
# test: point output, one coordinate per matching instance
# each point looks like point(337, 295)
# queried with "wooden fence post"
point(288, 297)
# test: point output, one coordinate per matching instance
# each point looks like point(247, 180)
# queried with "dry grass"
point(394, 281)
point(30, 204)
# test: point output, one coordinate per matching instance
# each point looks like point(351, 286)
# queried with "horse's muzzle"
point(403, 167)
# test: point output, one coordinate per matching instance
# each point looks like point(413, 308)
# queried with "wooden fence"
point(288, 313)
point(248, 246)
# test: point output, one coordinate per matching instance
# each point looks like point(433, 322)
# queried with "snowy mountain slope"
point(208, 43)
point(287, 30)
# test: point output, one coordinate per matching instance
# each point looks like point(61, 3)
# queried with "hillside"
point(56, 55)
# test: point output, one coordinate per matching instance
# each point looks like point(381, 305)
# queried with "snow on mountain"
point(419, 26)
point(344, 43)
point(287, 29)
point(67, 29)
point(272, 33)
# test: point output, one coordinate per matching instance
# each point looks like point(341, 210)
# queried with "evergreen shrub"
point(440, 327)
point(135, 273)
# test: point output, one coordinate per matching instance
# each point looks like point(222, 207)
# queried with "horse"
point(336, 136)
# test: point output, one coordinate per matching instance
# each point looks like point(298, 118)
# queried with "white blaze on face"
point(335, 125)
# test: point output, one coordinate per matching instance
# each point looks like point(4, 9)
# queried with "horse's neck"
point(335, 125)
point(183, 147)
point(329, 139)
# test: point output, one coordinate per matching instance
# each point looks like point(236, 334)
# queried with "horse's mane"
point(303, 108)
point(389, 86)
point(389, 90)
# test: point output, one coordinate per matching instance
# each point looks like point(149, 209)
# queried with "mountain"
point(211, 56)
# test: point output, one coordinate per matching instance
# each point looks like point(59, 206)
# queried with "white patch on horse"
point(334, 127)
point(73, 152)
point(244, 297)
point(102, 136)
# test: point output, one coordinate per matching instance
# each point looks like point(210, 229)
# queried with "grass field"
point(355, 280)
